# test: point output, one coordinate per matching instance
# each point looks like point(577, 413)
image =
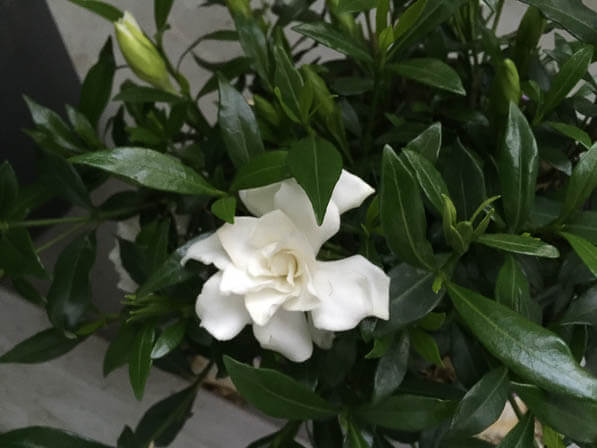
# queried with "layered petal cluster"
point(269, 275)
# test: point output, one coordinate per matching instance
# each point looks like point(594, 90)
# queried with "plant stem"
point(515, 407)
point(49, 221)
point(60, 237)
point(498, 15)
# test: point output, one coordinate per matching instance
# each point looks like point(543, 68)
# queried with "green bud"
point(140, 53)
point(266, 110)
point(239, 8)
point(529, 32)
point(506, 87)
point(322, 97)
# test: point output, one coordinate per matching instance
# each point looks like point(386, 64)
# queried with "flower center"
point(285, 264)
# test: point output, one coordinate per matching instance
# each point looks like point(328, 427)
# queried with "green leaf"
point(330, 37)
point(425, 346)
point(161, 11)
point(41, 347)
point(97, 85)
point(290, 86)
point(276, 394)
point(391, 368)
point(354, 438)
point(465, 179)
point(163, 421)
point(582, 183)
point(573, 15)
point(65, 180)
point(102, 9)
point(9, 189)
point(119, 349)
point(83, 128)
point(529, 350)
point(552, 438)
point(482, 405)
point(584, 249)
point(150, 169)
point(238, 125)
point(354, 6)
point(406, 412)
point(316, 165)
point(518, 168)
point(263, 169)
point(170, 338)
point(402, 212)
point(140, 359)
point(45, 437)
point(18, 257)
point(584, 224)
point(431, 72)
point(429, 179)
point(573, 417)
point(519, 244)
point(254, 44)
point(411, 298)
point(429, 143)
point(571, 72)
point(512, 290)
point(571, 132)
point(69, 296)
point(582, 311)
point(225, 208)
point(141, 95)
point(522, 435)
point(408, 18)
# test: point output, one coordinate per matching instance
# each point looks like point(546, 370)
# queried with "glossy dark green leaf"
point(572, 132)
point(150, 169)
point(238, 125)
point(140, 359)
point(464, 176)
point(254, 44)
point(102, 9)
point(522, 435)
point(518, 167)
point(577, 18)
point(264, 169)
point(119, 349)
point(354, 5)
point(391, 368)
point(27, 291)
point(69, 296)
point(225, 208)
point(467, 356)
point(584, 224)
point(45, 437)
point(169, 339)
point(582, 311)
point(573, 417)
point(283, 438)
point(289, 86)
point(97, 85)
point(163, 421)
point(402, 212)
point(429, 179)
point(83, 127)
point(351, 85)
point(582, 183)
point(18, 257)
point(276, 394)
point(407, 412)
point(142, 94)
point(429, 143)
point(41, 347)
point(584, 249)
point(316, 165)
point(409, 18)
point(354, 438)
point(519, 244)
point(161, 11)
point(9, 189)
point(571, 72)
point(329, 36)
point(411, 298)
point(512, 290)
point(529, 350)
point(482, 405)
point(65, 180)
point(431, 72)
point(424, 344)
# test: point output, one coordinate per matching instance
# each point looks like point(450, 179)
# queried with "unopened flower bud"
point(239, 8)
point(506, 87)
point(140, 53)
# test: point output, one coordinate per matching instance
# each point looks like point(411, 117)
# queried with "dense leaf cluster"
point(480, 146)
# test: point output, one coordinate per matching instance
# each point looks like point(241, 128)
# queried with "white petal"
point(235, 240)
point(223, 316)
point(262, 305)
point(287, 332)
point(208, 251)
point(259, 201)
point(294, 202)
point(350, 192)
point(349, 290)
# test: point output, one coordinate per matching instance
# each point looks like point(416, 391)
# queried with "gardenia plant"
point(386, 245)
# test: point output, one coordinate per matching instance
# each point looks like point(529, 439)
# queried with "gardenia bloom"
point(269, 275)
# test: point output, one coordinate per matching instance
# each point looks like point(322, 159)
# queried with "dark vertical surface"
point(33, 61)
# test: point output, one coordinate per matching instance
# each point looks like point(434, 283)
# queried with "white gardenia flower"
point(269, 275)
